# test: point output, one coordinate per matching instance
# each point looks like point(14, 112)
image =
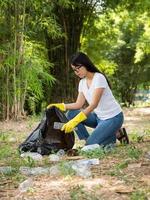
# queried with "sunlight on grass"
point(66, 169)
point(138, 195)
point(78, 192)
point(96, 153)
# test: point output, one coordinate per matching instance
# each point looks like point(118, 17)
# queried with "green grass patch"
point(138, 195)
point(99, 153)
point(117, 169)
point(66, 169)
point(133, 152)
point(96, 153)
point(78, 192)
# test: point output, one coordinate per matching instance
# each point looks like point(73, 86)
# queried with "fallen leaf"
point(134, 165)
point(74, 158)
point(121, 189)
point(146, 179)
point(145, 163)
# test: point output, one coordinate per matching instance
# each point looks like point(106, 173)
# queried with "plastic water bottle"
point(6, 170)
point(54, 157)
point(35, 156)
point(61, 152)
point(54, 171)
point(88, 162)
point(82, 170)
point(33, 171)
point(25, 185)
point(90, 147)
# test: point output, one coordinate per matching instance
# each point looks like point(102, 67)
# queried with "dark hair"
point(80, 58)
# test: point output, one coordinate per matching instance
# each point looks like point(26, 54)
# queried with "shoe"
point(123, 137)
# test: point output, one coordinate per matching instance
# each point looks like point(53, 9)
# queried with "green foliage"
point(78, 192)
point(5, 152)
point(134, 152)
point(117, 169)
point(122, 165)
point(138, 195)
point(23, 56)
point(65, 3)
point(3, 136)
point(120, 46)
point(139, 137)
point(41, 19)
point(66, 169)
point(96, 153)
point(13, 156)
point(36, 68)
point(34, 34)
point(129, 154)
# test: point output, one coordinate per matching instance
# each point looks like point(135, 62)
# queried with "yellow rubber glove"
point(61, 106)
point(69, 126)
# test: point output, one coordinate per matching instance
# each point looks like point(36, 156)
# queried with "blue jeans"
point(104, 132)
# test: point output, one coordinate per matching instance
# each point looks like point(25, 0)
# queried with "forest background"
point(38, 37)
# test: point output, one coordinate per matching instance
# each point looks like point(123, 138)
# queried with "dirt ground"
point(137, 119)
point(109, 180)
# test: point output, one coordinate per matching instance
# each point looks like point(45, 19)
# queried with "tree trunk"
point(7, 94)
point(71, 21)
point(18, 76)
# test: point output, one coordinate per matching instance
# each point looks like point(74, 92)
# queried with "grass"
point(122, 155)
point(8, 151)
point(138, 195)
point(96, 153)
point(66, 169)
point(78, 192)
point(117, 170)
point(133, 152)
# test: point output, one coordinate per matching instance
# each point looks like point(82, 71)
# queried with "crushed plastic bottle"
point(148, 155)
point(54, 171)
point(54, 157)
point(90, 147)
point(88, 162)
point(25, 185)
point(82, 170)
point(34, 171)
point(82, 167)
point(12, 139)
point(6, 170)
point(60, 153)
point(35, 156)
point(109, 147)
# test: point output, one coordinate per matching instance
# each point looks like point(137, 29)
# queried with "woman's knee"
point(72, 113)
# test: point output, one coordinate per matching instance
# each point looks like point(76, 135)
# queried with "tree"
point(71, 17)
point(23, 65)
point(121, 39)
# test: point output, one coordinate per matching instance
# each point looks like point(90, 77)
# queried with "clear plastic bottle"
point(90, 147)
point(54, 157)
point(6, 170)
point(60, 153)
point(25, 185)
point(34, 171)
point(35, 156)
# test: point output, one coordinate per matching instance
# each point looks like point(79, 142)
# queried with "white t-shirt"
point(107, 106)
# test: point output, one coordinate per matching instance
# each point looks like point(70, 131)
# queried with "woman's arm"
point(95, 100)
point(78, 104)
point(69, 126)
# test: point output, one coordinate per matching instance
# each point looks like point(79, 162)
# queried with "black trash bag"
point(45, 139)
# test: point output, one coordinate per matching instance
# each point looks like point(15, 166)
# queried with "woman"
point(103, 113)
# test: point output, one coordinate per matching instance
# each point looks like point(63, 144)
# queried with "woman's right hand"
point(61, 106)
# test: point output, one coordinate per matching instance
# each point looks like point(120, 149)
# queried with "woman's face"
point(80, 71)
